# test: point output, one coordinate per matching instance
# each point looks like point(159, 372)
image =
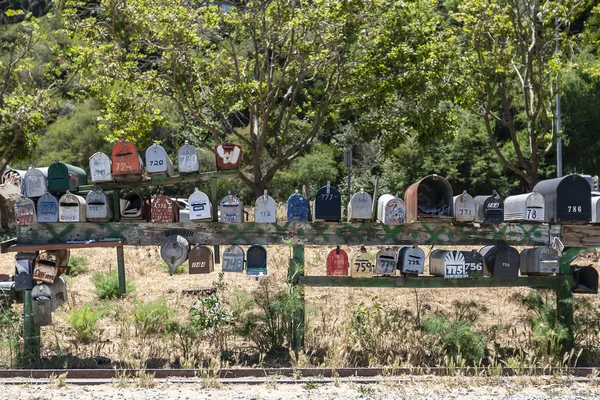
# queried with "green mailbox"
point(63, 177)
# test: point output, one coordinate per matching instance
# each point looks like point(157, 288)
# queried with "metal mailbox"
point(174, 251)
point(25, 211)
point(473, 263)
point(297, 208)
point(361, 266)
point(566, 199)
point(99, 206)
point(390, 210)
point(164, 209)
point(501, 261)
point(595, 209)
point(489, 208)
point(35, 182)
point(228, 156)
point(200, 260)
point(539, 261)
point(464, 207)
point(411, 260)
point(47, 298)
point(63, 177)
point(328, 204)
point(187, 159)
point(431, 197)
point(24, 262)
point(158, 162)
point(385, 263)
point(448, 264)
point(232, 209)
point(200, 206)
point(256, 264)
point(100, 168)
point(524, 207)
point(233, 259)
point(46, 266)
point(47, 208)
point(360, 207)
point(23, 282)
point(266, 209)
point(337, 263)
point(586, 279)
point(127, 165)
point(13, 176)
point(71, 208)
point(134, 206)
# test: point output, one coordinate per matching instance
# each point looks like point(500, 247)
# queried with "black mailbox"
point(431, 197)
point(256, 260)
point(501, 261)
point(567, 199)
point(473, 263)
point(489, 208)
point(586, 279)
point(328, 204)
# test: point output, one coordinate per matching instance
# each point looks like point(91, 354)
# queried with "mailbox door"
point(501, 261)
point(201, 260)
point(71, 208)
point(232, 210)
point(126, 161)
point(464, 207)
point(200, 207)
point(47, 208)
point(164, 209)
point(596, 209)
point(411, 260)
point(328, 205)
point(174, 251)
point(46, 267)
point(25, 211)
point(386, 261)
point(228, 156)
point(448, 264)
point(100, 168)
point(265, 209)
point(337, 263)
point(534, 207)
point(13, 176)
point(158, 162)
point(360, 207)
point(297, 208)
point(256, 265)
point(233, 259)
point(187, 159)
point(493, 209)
point(473, 263)
point(390, 210)
point(99, 206)
point(35, 183)
point(361, 266)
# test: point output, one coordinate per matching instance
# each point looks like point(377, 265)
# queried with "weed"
point(454, 338)
point(310, 386)
point(84, 322)
point(107, 285)
point(548, 332)
point(210, 375)
point(153, 317)
point(179, 270)
point(366, 390)
point(77, 266)
point(145, 379)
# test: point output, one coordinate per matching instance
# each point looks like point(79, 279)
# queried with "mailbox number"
point(474, 266)
point(94, 208)
point(414, 262)
point(156, 162)
point(455, 269)
point(233, 264)
point(199, 264)
point(48, 207)
point(265, 213)
point(25, 219)
point(362, 265)
point(574, 209)
point(533, 214)
point(122, 166)
point(506, 265)
point(327, 196)
point(188, 159)
point(493, 205)
point(387, 266)
point(465, 211)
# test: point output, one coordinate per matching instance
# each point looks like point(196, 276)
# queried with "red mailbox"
point(127, 164)
point(228, 156)
point(164, 209)
point(337, 263)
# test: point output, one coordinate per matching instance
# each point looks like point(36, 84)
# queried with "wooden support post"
point(295, 271)
point(215, 214)
point(121, 270)
point(116, 206)
point(31, 332)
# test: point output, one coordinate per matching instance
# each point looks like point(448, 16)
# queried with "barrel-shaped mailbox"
point(200, 260)
point(297, 208)
point(501, 261)
point(360, 207)
point(228, 156)
point(63, 177)
point(411, 260)
point(35, 182)
point(71, 208)
point(13, 176)
point(200, 206)
point(431, 197)
point(595, 209)
point(464, 207)
point(158, 162)
point(328, 204)
point(385, 263)
point(539, 261)
point(256, 263)
point(99, 206)
point(473, 263)
point(134, 206)
point(232, 209)
point(233, 259)
point(100, 168)
point(524, 207)
point(25, 211)
point(47, 208)
point(586, 279)
point(187, 159)
point(390, 210)
point(448, 264)
point(265, 209)
point(567, 199)
point(337, 263)
point(361, 265)
point(174, 251)
point(164, 209)
point(127, 165)
point(489, 208)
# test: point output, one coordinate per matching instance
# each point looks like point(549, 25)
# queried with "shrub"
point(77, 265)
point(457, 338)
point(547, 331)
point(180, 270)
point(107, 284)
point(84, 322)
point(153, 317)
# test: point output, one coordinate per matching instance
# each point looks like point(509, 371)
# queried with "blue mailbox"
point(256, 261)
point(297, 208)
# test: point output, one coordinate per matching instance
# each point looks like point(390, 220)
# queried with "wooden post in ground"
point(31, 332)
point(295, 271)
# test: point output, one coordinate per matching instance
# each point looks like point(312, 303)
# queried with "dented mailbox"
point(501, 261)
point(200, 207)
point(411, 260)
point(71, 208)
point(431, 197)
point(25, 211)
point(337, 263)
point(63, 177)
point(566, 199)
point(35, 182)
point(232, 209)
point(127, 165)
point(385, 263)
point(200, 260)
point(228, 156)
point(174, 251)
point(100, 168)
point(328, 204)
point(524, 207)
point(256, 264)
point(360, 207)
point(390, 210)
point(361, 265)
point(47, 208)
point(158, 162)
point(46, 266)
point(187, 159)
point(539, 261)
point(489, 208)
point(297, 208)
point(99, 206)
point(464, 207)
point(265, 209)
point(448, 264)
point(233, 259)
point(164, 209)
point(134, 207)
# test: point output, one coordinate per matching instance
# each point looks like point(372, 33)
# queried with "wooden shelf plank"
point(60, 246)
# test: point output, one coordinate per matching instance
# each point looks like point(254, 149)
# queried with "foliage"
point(209, 317)
point(107, 284)
point(547, 331)
point(10, 329)
point(84, 322)
point(182, 269)
point(153, 317)
point(458, 339)
point(77, 265)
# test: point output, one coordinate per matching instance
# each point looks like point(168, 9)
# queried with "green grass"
point(107, 285)
point(182, 269)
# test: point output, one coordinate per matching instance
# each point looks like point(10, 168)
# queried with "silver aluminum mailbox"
point(361, 265)
point(524, 207)
point(232, 209)
point(595, 209)
point(158, 162)
point(100, 168)
point(47, 208)
point(390, 210)
point(539, 261)
point(25, 211)
point(71, 208)
point(35, 182)
point(385, 263)
point(266, 209)
point(464, 207)
point(360, 207)
point(187, 159)
point(99, 206)
point(200, 206)
point(233, 260)
point(174, 251)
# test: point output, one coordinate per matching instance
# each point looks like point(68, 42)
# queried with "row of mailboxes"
point(409, 260)
point(58, 177)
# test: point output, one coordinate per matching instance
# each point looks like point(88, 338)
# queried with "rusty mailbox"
point(337, 262)
point(489, 208)
point(473, 263)
point(524, 207)
point(297, 208)
point(464, 207)
point(232, 209)
point(390, 210)
point(47, 298)
point(100, 168)
point(595, 209)
point(385, 262)
point(174, 251)
point(586, 279)
point(411, 260)
point(47, 265)
point(127, 165)
point(265, 209)
point(99, 206)
point(233, 259)
point(200, 260)
point(256, 263)
point(187, 159)
point(71, 208)
point(25, 211)
point(35, 182)
point(164, 209)
point(566, 199)
point(228, 156)
point(134, 206)
point(361, 265)
point(200, 206)
point(448, 264)
point(360, 207)
point(47, 208)
point(501, 261)
point(431, 197)
point(328, 204)
point(158, 162)
point(539, 261)
point(63, 177)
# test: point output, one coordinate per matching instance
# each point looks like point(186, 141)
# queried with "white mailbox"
point(524, 207)
point(448, 264)
point(47, 208)
point(200, 206)
point(360, 207)
point(71, 208)
point(464, 207)
point(385, 263)
point(265, 209)
point(35, 182)
point(99, 206)
point(100, 168)
point(158, 162)
point(25, 211)
point(232, 209)
point(595, 209)
point(187, 159)
point(390, 210)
